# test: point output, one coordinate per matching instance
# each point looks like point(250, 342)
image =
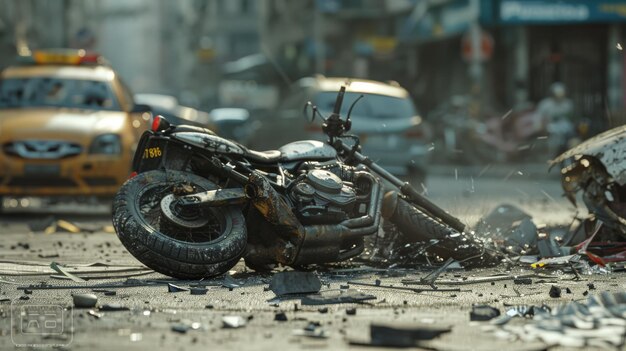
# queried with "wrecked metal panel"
point(608, 147)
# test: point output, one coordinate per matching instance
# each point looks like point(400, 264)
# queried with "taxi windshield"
point(56, 92)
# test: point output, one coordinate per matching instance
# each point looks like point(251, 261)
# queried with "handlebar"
point(339, 102)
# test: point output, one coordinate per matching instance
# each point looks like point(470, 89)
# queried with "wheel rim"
point(209, 223)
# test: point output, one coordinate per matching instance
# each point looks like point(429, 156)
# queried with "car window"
point(55, 92)
point(371, 105)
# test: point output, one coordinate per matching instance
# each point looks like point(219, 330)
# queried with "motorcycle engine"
point(321, 197)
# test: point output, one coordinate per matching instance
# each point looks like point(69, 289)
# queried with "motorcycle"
point(197, 203)
point(520, 134)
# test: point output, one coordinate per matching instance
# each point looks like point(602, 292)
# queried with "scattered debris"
point(523, 281)
point(334, 297)
point(556, 261)
point(280, 316)
point(294, 282)
point(105, 292)
point(85, 300)
point(61, 226)
point(432, 276)
point(417, 290)
point(126, 284)
point(175, 288)
point(351, 311)
point(510, 225)
point(51, 255)
point(113, 307)
point(180, 328)
point(598, 322)
point(523, 311)
point(61, 270)
point(555, 291)
point(96, 270)
point(230, 282)
point(50, 225)
point(483, 313)
point(233, 322)
point(94, 314)
point(477, 280)
point(312, 330)
point(198, 291)
point(386, 335)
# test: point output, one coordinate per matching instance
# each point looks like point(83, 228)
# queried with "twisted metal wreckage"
point(594, 171)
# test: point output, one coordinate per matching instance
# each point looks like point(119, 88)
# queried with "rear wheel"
point(188, 243)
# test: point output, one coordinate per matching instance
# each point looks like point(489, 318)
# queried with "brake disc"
point(185, 217)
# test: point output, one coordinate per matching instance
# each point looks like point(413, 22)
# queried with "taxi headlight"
point(106, 144)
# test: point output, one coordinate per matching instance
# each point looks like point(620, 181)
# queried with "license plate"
point(42, 170)
point(152, 152)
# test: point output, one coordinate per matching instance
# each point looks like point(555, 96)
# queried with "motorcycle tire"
point(185, 252)
point(418, 226)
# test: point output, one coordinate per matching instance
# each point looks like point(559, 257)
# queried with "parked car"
point(232, 123)
point(390, 129)
point(68, 126)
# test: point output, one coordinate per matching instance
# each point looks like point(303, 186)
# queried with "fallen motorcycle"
point(197, 203)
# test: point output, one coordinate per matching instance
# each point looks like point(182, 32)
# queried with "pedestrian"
point(556, 113)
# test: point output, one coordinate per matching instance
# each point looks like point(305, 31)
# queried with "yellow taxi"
point(68, 126)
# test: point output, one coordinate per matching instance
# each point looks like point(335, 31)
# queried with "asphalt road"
point(154, 314)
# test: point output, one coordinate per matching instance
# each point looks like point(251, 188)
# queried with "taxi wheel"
point(199, 243)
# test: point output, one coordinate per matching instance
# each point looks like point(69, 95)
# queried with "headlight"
point(106, 144)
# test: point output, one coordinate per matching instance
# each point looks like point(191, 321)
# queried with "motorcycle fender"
point(149, 152)
point(160, 152)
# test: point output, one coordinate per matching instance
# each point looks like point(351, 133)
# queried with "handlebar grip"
point(339, 101)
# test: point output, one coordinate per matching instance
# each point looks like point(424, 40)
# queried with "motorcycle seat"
point(190, 128)
point(269, 156)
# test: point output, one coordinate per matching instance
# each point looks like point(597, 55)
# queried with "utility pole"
point(475, 70)
point(320, 49)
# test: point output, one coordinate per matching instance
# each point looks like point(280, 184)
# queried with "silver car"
point(386, 120)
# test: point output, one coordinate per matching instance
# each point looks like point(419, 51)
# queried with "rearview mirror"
point(309, 112)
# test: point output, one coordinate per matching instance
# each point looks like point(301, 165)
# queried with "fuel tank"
point(307, 150)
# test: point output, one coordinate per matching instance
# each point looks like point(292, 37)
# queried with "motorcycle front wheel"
point(187, 243)
point(446, 242)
